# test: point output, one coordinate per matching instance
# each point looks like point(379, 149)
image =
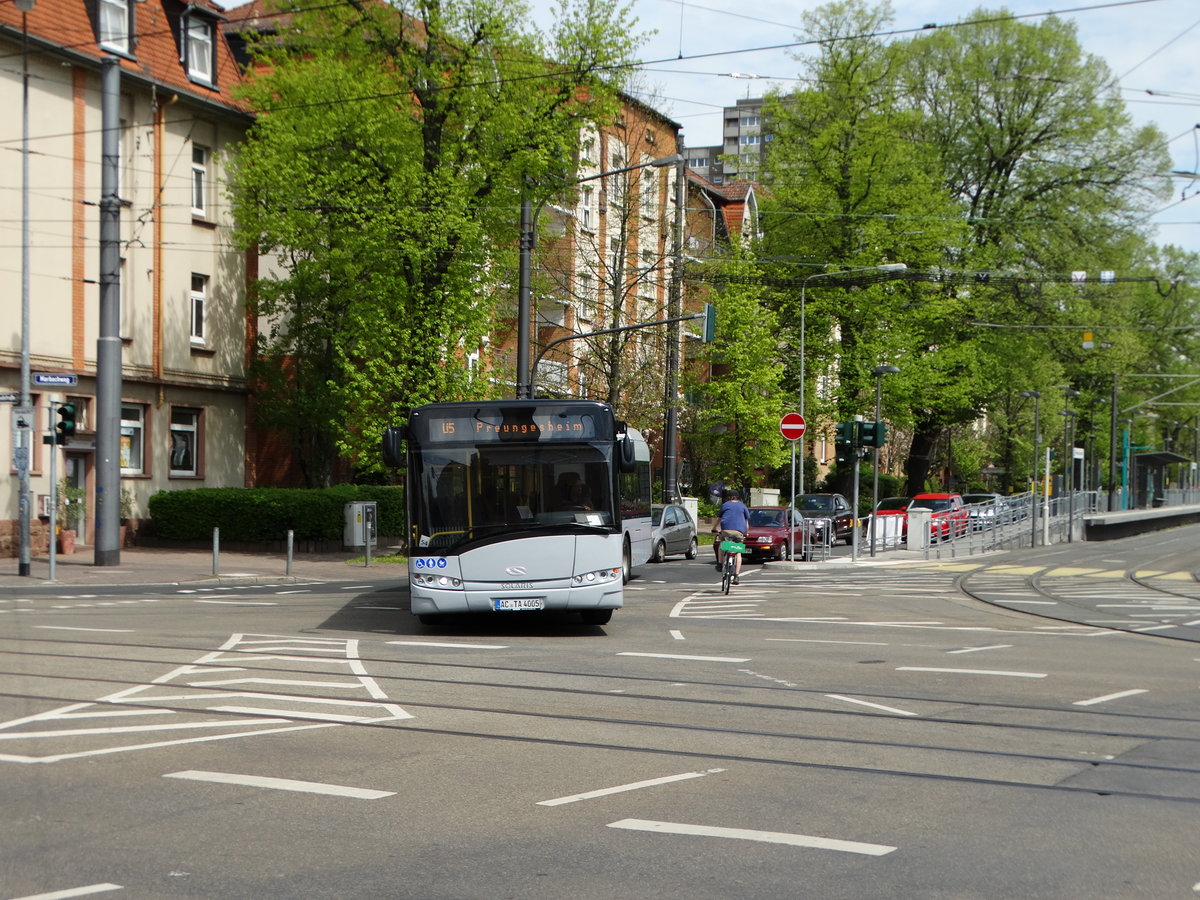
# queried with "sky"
point(699, 59)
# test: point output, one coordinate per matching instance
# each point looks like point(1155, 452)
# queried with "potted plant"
point(72, 507)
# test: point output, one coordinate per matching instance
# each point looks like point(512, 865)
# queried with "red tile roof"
point(72, 27)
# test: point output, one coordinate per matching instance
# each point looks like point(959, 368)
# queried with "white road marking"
point(294, 592)
point(622, 788)
point(677, 635)
point(69, 628)
point(356, 587)
point(891, 709)
point(728, 659)
point(1107, 697)
point(238, 602)
point(450, 644)
point(1031, 602)
point(746, 834)
point(342, 656)
point(971, 671)
point(282, 784)
point(73, 892)
point(813, 641)
point(977, 649)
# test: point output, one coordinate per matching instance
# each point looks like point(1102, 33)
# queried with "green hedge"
point(267, 514)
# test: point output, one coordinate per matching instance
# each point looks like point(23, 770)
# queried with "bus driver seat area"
point(573, 492)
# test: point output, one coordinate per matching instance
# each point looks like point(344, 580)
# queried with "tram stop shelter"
point(1148, 476)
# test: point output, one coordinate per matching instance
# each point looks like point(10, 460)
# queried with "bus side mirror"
point(626, 456)
point(392, 447)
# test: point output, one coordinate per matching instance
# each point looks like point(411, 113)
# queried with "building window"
point(698, 162)
point(198, 299)
point(585, 288)
point(198, 47)
point(649, 195)
point(200, 157)
point(749, 139)
point(133, 439)
point(185, 442)
point(585, 209)
point(116, 24)
point(750, 121)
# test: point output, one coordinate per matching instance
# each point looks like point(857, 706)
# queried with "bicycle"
point(731, 550)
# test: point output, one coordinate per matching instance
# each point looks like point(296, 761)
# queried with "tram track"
point(1152, 597)
point(967, 736)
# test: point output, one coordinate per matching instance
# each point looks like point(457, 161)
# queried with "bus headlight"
point(600, 576)
point(441, 581)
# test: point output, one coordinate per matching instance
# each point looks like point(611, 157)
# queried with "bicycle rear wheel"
point(726, 578)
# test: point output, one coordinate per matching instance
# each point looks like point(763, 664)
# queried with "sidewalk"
point(160, 566)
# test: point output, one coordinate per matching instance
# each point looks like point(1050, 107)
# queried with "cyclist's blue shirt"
point(734, 516)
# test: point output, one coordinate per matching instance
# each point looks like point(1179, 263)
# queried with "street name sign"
point(55, 379)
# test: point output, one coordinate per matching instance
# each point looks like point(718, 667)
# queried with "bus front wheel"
point(596, 616)
point(626, 563)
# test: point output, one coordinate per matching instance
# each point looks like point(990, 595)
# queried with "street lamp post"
point(528, 233)
point(885, 267)
point(879, 371)
point(1036, 395)
point(25, 450)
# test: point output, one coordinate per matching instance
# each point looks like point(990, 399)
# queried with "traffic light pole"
point(53, 508)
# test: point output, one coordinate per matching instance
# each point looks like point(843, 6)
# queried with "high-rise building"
point(742, 154)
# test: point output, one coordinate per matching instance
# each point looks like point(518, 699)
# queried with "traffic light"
point(66, 423)
point(873, 434)
point(843, 439)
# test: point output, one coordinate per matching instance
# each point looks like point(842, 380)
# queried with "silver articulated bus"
point(518, 505)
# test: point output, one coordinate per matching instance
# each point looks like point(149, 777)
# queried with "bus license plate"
point(511, 604)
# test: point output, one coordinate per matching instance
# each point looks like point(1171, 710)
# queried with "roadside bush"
point(266, 514)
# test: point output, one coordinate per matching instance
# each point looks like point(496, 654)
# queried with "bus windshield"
point(467, 492)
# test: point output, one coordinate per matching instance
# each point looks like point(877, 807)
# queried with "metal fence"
point(1024, 520)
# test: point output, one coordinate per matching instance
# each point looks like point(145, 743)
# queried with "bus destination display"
point(487, 426)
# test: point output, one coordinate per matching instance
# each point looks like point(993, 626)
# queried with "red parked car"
point(950, 516)
point(769, 536)
point(894, 506)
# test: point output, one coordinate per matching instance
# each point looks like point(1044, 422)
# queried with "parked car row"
point(825, 518)
point(954, 514)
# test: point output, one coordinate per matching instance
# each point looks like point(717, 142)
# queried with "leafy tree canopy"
point(384, 174)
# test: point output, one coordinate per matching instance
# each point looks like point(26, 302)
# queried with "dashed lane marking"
point(747, 834)
point(282, 784)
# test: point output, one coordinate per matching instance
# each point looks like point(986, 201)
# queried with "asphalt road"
point(835, 733)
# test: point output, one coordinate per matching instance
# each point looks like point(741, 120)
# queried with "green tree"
point(1016, 160)
point(384, 174)
point(732, 432)
point(848, 195)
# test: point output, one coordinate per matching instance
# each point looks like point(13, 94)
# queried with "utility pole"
point(22, 446)
point(674, 310)
point(108, 344)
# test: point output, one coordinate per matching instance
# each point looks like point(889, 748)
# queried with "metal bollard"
point(290, 545)
point(216, 551)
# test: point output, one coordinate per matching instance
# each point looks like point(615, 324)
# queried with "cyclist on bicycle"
point(732, 524)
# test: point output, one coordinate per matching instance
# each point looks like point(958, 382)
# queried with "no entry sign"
point(792, 426)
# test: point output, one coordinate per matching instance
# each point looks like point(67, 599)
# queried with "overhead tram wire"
point(641, 64)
